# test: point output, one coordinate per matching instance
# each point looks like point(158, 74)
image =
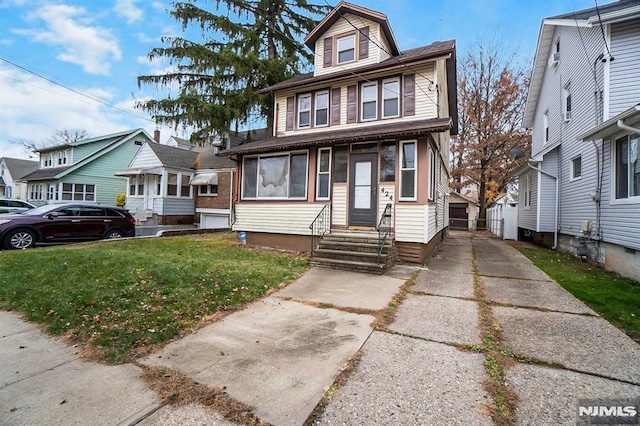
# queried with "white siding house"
point(584, 109)
point(364, 136)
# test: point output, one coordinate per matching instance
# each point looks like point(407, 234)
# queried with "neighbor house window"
point(62, 157)
point(566, 102)
point(432, 175)
point(346, 48)
point(408, 171)
point(185, 188)
point(277, 176)
point(52, 192)
point(545, 126)
point(391, 98)
point(304, 111)
point(388, 162)
point(576, 167)
point(208, 190)
point(36, 191)
point(369, 101)
point(78, 192)
point(172, 184)
point(48, 160)
point(136, 186)
point(322, 109)
point(627, 167)
point(527, 191)
point(324, 173)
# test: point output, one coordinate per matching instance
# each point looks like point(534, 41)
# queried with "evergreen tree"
point(246, 45)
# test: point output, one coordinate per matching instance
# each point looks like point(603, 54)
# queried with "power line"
point(74, 90)
point(602, 31)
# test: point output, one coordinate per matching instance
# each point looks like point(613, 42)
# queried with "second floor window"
point(545, 125)
point(369, 102)
point(346, 48)
point(304, 111)
point(322, 109)
point(566, 102)
point(391, 98)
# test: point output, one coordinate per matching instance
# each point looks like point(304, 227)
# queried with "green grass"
point(615, 298)
point(125, 295)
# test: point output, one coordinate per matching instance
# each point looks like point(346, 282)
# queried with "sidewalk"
point(280, 354)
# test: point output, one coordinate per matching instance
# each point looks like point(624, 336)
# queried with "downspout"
point(555, 227)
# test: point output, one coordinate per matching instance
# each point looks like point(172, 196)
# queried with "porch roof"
point(48, 173)
point(331, 137)
point(204, 179)
point(139, 171)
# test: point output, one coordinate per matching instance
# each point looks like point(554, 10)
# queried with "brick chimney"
point(156, 135)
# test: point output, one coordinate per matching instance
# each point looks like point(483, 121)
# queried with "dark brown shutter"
point(363, 33)
point(352, 104)
point(328, 52)
point(409, 98)
point(336, 94)
point(291, 104)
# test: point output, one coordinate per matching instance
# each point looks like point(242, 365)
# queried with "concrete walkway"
point(280, 354)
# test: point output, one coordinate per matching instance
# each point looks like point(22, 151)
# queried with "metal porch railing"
point(320, 226)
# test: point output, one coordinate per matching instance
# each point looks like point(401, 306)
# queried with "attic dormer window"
point(346, 48)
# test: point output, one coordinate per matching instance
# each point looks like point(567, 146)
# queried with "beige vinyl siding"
point(425, 101)
point(384, 199)
point(339, 204)
point(411, 223)
point(145, 158)
point(343, 27)
point(277, 218)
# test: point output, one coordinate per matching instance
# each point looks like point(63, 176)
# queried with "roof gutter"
point(621, 124)
point(555, 226)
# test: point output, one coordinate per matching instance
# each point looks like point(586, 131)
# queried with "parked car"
point(8, 205)
point(65, 222)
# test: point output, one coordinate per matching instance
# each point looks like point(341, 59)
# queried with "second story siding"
point(625, 68)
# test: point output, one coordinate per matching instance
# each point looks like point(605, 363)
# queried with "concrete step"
point(358, 256)
point(352, 238)
point(349, 265)
point(330, 244)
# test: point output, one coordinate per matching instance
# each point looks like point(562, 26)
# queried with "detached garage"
point(462, 211)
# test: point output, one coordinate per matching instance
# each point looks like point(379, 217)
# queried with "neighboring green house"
point(84, 170)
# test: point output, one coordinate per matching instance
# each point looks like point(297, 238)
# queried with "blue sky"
point(99, 47)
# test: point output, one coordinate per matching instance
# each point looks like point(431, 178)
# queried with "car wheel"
point(20, 239)
point(112, 234)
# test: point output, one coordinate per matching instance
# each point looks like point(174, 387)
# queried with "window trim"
point(572, 169)
point(545, 127)
point(614, 170)
point(73, 192)
point(431, 194)
point(316, 109)
point(384, 82)
point(278, 154)
point(567, 106)
point(208, 193)
point(299, 110)
point(328, 173)
point(362, 101)
point(414, 168)
point(351, 34)
point(527, 192)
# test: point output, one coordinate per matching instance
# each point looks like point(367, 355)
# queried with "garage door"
point(214, 221)
point(458, 216)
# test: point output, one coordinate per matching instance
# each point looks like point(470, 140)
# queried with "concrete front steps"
point(353, 251)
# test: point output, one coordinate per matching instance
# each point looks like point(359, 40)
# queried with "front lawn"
point(615, 298)
point(123, 296)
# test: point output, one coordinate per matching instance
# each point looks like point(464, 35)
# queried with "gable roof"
point(19, 168)
point(612, 12)
point(370, 133)
point(438, 49)
point(119, 139)
point(174, 157)
point(339, 11)
point(113, 136)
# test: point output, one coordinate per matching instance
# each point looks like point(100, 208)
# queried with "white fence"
point(502, 221)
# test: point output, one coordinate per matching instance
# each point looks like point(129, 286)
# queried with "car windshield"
point(42, 210)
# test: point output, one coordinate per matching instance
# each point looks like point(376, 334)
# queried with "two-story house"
point(12, 170)
point(84, 170)
point(359, 144)
point(581, 190)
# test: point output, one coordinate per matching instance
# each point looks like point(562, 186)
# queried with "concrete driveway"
point(281, 354)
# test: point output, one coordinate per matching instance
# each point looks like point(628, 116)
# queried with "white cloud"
point(128, 10)
point(143, 38)
point(68, 27)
